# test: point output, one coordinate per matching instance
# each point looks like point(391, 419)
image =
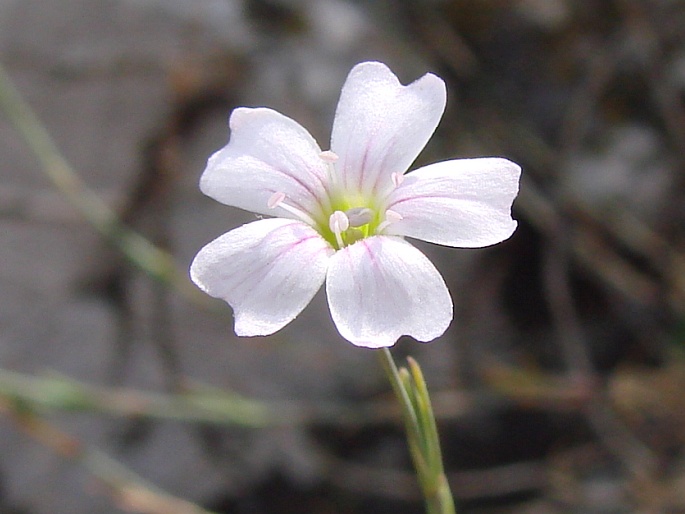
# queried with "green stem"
point(422, 435)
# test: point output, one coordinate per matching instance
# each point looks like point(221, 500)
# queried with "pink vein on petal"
point(363, 167)
point(272, 262)
point(305, 187)
point(386, 156)
point(414, 197)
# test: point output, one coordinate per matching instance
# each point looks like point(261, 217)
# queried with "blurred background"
point(559, 387)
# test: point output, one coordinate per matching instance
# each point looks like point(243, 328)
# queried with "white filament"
point(390, 217)
point(277, 200)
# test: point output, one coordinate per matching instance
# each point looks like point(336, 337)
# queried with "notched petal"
point(382, 288)
point(267, 153)
point(267, 270)
point(381, 125)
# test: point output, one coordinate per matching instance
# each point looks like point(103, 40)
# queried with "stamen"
point(397, 178)
point(329, 157)
point(359, 216)
point(277, 200)
point(393, 216)
point(390, 218)
point(339, 223)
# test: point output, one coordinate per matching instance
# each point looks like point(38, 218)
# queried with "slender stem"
point(397, 385)
point(422, 435)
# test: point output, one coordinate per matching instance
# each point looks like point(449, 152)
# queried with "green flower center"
point(349, 226)
point(352, 216)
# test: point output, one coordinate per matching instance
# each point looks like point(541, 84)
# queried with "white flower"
point(341, 215)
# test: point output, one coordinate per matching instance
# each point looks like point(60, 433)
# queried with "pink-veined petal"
point(382, 288)
point(267, 153)
point(381, 126)
point(267, 270)
point(463, 203)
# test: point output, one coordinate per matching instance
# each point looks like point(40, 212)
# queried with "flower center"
point(351, 225)
point(353, 217)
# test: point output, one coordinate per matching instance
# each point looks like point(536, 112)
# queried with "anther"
point(338, 223)
point(277, 200)
point(359, 216)
point(393, 216)
point(390, 218)
point(328, 156)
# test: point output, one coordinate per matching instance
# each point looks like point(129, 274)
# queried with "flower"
point(341, 215)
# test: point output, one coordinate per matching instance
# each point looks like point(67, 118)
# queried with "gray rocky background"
point(559, 383)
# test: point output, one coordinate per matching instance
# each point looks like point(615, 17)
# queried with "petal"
point(381, 288)
point(267, 270)
point(267, 153)
point(381, 126)
point(464, 202)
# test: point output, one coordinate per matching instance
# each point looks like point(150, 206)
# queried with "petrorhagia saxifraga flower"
point(340, 216)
